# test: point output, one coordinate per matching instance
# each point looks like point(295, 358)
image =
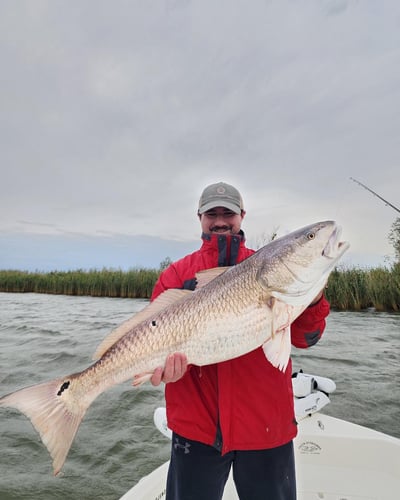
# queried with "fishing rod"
point(376, 194)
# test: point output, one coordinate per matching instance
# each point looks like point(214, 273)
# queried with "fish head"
point(295, 267)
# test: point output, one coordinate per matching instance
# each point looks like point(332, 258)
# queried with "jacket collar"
point(227, 246)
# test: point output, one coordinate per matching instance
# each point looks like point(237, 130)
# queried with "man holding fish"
point(223, 334)
point(237, 413)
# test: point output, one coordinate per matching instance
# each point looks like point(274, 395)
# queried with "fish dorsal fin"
point(165, 299)
point(204, 277)
point(161, 302)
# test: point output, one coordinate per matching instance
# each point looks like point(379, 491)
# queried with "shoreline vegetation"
point(352, 289)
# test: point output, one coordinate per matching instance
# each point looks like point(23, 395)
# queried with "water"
point(45, 336)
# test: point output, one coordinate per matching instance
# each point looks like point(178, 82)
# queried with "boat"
point(335, 459)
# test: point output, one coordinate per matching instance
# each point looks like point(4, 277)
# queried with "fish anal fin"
point(164, 300)
point(141, 378)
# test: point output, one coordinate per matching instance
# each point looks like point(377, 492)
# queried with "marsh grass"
point(357, 289)
point(135, 283)
point(353, 289)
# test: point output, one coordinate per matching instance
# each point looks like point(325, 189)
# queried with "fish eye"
point(310, 235)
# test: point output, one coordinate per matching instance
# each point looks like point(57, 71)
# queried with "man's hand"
point(174, 369)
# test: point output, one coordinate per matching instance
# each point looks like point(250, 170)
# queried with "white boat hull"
point(335, 460)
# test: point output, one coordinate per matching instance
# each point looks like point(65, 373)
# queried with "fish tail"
point(53, 412)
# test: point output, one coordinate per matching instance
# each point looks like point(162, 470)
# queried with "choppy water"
point(45, 336)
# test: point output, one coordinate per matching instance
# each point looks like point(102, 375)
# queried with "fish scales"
point(191, 326)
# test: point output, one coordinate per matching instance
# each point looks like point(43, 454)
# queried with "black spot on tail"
point(63, 387)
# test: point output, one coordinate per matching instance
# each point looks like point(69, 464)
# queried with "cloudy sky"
point(116, 114)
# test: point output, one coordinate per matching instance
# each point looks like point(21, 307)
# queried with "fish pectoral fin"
point(141, 378)
point(162, 301)
point(204, 277)
point(277, 349)
point(281, 315)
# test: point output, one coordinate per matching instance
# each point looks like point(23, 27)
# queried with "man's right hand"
point(174, 369)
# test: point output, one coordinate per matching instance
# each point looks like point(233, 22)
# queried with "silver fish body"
point(232, 312)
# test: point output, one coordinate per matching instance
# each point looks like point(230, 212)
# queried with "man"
point(238, 413)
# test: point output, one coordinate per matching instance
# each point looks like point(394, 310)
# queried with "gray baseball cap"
point(220, 195)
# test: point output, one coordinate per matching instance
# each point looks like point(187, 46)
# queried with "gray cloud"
point(114, 117)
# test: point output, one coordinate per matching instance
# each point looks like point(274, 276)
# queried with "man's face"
point(221, 220)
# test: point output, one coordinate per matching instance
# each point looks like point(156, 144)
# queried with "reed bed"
point(358, 289)
point(135, 283)
point(352, 289)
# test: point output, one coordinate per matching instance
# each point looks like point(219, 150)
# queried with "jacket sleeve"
point(307, 329)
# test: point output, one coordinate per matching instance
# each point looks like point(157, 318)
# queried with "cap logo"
point(221, 190)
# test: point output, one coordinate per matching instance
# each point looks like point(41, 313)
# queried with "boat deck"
point(335, 460)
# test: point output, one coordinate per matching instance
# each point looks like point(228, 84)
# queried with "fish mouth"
point(335, 248)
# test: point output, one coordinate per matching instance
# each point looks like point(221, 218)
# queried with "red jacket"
point(244, 403)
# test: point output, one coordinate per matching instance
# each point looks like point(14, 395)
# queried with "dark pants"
point(199, 472)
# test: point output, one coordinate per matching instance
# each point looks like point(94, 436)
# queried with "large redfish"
point(232, 312)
